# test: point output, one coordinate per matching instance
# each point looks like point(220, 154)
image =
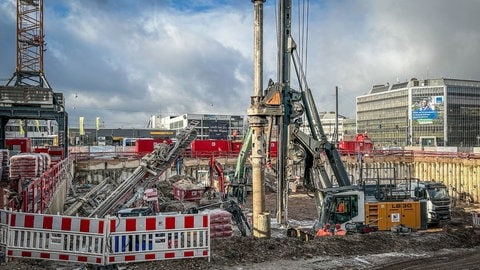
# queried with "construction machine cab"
point(342, 207)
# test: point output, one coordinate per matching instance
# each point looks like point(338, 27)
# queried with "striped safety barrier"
point(476, 219)
point(53, 237)
point(158, 238)
point(104, 241)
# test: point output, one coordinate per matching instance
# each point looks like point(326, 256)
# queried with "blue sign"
point(416, 115)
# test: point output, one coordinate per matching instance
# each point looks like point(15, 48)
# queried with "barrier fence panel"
point(106, 241)
point(133, 239)
point(3, 230)
point(476, 220)
point(53, 237)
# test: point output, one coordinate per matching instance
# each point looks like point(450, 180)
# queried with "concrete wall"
point(57, 203)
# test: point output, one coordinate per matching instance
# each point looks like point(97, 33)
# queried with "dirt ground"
point(454, 245)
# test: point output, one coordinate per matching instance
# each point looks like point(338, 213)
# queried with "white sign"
point(395, 217)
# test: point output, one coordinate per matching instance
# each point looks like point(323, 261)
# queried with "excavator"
point(386, 204)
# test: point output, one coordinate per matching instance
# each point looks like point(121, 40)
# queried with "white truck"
point(437, 199)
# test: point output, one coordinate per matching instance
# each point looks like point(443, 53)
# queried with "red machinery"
point(146, 145)
point(215, 165)
point(208, 148)
point(361, 143)
point(19, 145)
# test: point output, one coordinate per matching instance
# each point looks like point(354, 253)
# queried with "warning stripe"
point(55, 222)
point(148, 223)
point(179, 254)
point(56, 256)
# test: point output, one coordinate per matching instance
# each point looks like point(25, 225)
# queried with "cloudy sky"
point(125, 60)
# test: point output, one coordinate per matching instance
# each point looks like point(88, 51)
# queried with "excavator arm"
point(217, 167)
point(316, 142)
point(313, 149)
point(242, 157)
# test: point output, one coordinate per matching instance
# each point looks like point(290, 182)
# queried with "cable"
point(303, 30)
point(306, 39)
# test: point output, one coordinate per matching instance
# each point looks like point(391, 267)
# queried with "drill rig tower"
point(27, 95)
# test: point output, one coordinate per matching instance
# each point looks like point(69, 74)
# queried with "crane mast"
point(30, 45)
point(27, 94)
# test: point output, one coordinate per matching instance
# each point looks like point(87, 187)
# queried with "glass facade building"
point(212, 126)
point(431, 112)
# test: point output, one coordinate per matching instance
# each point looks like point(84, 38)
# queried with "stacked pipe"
point(123, 190)
point(79, 203)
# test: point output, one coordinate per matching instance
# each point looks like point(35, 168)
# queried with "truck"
point(435, 194)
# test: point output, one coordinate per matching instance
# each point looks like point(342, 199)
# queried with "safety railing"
point(104, 241)
point(36, 194)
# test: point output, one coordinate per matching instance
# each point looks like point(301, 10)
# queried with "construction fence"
point(476, 220)
point(104, 241)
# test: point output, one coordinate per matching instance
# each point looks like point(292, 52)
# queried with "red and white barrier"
point(160, 237)
point(476, 219)
point(104, 241)
point(53, 237)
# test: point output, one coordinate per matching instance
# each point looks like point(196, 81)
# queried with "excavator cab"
point(344, 208)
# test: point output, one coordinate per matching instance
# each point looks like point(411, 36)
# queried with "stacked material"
point(29, 165)
point(4, 169)
point(220, 223)
point(185, 190)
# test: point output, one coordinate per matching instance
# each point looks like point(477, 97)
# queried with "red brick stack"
point(29, 165)
point(220, 223)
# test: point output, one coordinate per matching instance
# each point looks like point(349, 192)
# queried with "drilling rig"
point(385, 205)
point(285, 106)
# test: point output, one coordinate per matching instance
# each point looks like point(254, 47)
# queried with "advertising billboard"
point(425, 110)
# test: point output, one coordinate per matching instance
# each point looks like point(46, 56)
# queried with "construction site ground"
point(453, 245)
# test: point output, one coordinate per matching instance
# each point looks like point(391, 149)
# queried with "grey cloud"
point(127, 60)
